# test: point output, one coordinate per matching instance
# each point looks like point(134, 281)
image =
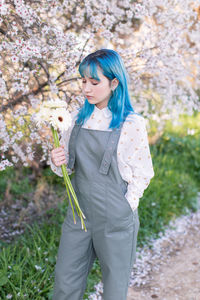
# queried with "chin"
point(91, 101)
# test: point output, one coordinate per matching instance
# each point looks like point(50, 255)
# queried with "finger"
point(57, 150)
point(61, 162)
point(59, 158)
point(59, 155)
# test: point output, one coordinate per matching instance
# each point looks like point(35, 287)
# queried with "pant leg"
point(91, 260)
point(74, 260)
point(116, 252)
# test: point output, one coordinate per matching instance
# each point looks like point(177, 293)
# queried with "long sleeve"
point(64, 140)
point(133, 152)
point(135, 159)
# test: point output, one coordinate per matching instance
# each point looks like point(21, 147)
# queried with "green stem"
point(68, 184)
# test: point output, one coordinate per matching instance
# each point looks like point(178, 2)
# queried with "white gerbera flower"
point(56, 114)
point(44, 114)
point(60, 119)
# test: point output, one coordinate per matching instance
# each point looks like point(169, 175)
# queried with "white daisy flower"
point(43, 115)
point(60, 119)
point(54, 112)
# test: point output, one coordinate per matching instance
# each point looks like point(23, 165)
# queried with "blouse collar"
point(105, 111)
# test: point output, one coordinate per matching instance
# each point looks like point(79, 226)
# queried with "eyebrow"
point(90, 78)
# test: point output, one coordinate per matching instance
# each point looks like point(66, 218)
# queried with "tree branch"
point(34, 91)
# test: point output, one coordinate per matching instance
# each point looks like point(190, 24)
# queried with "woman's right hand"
point(58, 156)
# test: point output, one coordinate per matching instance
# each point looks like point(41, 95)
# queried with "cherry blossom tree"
point(42, 43)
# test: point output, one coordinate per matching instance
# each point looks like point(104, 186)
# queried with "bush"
point(174, 188)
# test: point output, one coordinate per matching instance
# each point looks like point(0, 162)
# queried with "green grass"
point(17, 180)
point(27, 265)
point(173, 190)
point(171, 193)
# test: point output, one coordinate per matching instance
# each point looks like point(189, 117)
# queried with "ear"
point(114, 84)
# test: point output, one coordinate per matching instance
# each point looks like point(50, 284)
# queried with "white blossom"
point(38, 267)
point(44, 42)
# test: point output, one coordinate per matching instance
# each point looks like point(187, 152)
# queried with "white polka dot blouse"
point(133, 153)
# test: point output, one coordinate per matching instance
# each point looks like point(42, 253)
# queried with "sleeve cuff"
point(56, 170)
point(133, 200)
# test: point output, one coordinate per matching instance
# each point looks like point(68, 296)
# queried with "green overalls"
point(112, 226)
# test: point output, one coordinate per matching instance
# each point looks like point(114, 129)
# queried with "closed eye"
point(93, 83)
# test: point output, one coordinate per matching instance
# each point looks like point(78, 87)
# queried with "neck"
point(99, 106)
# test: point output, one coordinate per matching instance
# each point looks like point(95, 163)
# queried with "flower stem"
point(68, 184)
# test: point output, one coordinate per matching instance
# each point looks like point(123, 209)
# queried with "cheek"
point(103, 90)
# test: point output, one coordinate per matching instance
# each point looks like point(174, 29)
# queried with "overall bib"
point(112, 226)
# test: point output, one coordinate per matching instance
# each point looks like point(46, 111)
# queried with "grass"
point(27, 265)
point(17, 180)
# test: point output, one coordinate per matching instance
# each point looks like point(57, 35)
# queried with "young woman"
point(107, 147)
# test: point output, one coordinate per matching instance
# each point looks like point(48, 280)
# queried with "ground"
point(15, 214)
point(175, 270)
point(179, 277)
point(170, 268)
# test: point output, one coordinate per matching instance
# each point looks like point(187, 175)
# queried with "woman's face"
point(97, 92)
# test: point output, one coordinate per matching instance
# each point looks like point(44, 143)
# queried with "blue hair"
point(112, 66)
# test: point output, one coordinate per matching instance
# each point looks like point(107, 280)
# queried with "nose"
point(87, 87)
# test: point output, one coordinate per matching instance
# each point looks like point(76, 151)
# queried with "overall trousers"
point(112, 226)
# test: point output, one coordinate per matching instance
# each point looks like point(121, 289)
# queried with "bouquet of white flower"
point(55, 113)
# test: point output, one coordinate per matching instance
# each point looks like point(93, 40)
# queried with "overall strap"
point(71, 145)
point(111, 145)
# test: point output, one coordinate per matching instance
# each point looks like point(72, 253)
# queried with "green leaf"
point(3, 278)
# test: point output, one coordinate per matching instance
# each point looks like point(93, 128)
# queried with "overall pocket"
point(119, 214)
point(122, 191)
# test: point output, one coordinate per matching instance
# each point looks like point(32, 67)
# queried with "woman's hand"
point(58, 156)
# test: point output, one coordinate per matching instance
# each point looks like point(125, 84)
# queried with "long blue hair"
point(112, 66)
